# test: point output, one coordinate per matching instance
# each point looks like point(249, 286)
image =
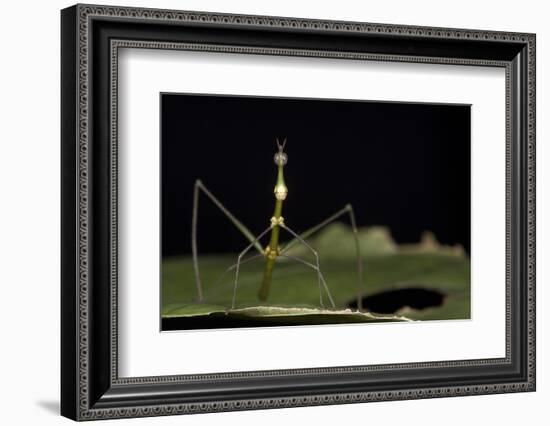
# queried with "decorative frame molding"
point(91, 37)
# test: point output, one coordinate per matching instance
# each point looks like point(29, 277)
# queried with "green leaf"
point(386, 265)
point(297, 315)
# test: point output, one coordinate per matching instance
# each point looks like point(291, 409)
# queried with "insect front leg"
point(200, 187)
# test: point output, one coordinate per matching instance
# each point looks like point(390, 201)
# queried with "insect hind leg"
point(347, 209)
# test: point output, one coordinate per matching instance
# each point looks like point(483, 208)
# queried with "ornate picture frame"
point(91, 37)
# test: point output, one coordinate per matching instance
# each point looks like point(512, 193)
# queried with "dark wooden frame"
point(91, 37)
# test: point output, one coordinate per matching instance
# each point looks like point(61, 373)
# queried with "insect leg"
point(232, 267)
point(199, 186)
point(319, 274)
point(312, 266)
point(348, 209)
point(252, 244)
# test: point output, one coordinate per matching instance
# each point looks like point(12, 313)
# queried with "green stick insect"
point(273, 251)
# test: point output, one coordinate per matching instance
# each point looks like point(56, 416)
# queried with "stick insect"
point(273, 251)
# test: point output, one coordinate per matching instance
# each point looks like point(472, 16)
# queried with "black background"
point(402, 165)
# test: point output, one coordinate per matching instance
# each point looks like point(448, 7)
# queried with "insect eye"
point(280, 158)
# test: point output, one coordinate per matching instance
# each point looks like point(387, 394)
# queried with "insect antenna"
point(279, 145)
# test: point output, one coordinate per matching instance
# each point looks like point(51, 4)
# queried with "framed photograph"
point(263, 212)
point(306, 264)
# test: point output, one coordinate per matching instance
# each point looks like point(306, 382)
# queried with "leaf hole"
point(392, 301)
